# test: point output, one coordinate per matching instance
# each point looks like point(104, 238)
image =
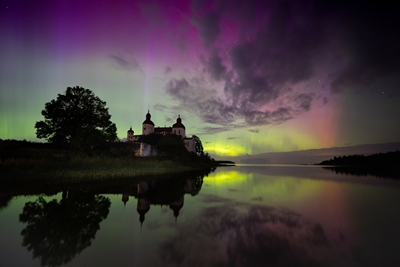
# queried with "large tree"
point(78, 117)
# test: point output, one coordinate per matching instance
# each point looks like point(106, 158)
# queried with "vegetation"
point(381, 159)
point(199, 145)
point(383, 165)
point(46, 164)
point(77, 117)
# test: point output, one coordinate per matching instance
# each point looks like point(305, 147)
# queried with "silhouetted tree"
point(58, 231)
point(199, 145)
point(77, 117)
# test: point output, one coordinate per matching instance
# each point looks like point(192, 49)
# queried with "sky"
point(247, 77)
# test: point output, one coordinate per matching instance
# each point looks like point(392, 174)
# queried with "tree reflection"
point(59, 230)
point(5, 200)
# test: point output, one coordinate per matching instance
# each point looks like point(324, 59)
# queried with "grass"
point(88, 168)
point(24, 164)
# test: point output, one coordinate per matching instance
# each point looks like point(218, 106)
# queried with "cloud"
point(202, 101)
point(159, 107)
point(211, 130)
point(125, 64)
point(205, 103)
point(253, 130)
point(260, 70)
point(167, 70)
point(214, 66)
point(208, 27)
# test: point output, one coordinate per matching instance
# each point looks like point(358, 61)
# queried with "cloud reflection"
point(241, 234)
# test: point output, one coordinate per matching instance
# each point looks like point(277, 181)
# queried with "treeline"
point(391, 172)
point(376, 160)
point(171, 147)
point(16, 153)
point(26, 150)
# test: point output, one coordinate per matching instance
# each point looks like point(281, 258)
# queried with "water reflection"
point(162, 192)
point(392, 172)
point(242, 234)
point(57, 231)
point(241, 216)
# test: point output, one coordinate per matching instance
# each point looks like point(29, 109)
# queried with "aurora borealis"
point(247, 77)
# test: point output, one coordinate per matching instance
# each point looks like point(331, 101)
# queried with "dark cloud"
point(125, 64)
point(281, 46)
point(232, 138)
point(253, 130)
point(303, 101)
point(208, 27)
point(159, 107)
point(215, 67)
point(211, 109)
point(202, 101)
point(238, 234)
point(167, 70)
point(211, 130)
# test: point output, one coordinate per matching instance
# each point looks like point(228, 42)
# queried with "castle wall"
point(147, 150)
point(190, 144)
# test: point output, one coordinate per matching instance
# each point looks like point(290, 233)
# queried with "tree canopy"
point(199, 145)
point(78, 117)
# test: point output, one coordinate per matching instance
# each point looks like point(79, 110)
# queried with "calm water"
point(235, 216)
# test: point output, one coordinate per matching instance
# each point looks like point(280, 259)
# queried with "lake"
point(246, 215)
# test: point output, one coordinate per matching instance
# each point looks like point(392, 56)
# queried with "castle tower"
point(176, 206)
point(178, 128)
point(143, 206)
point(130, 135)
point(148, 125)
point(125, 198)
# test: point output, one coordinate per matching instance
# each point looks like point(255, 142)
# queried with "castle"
point(177, 128)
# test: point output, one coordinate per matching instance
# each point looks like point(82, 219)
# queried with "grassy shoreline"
point(89, 168)
point(24, 163)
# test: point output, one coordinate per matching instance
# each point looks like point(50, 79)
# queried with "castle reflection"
point(165, 192)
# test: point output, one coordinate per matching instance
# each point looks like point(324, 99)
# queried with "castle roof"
point(148, 119)
point(163, 130)
point(178, 123)
point(130, 130)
